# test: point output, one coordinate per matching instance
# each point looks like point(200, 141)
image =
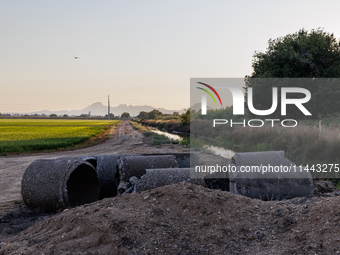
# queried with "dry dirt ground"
point(178, 219)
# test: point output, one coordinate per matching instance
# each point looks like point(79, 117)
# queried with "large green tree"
point(314, 54)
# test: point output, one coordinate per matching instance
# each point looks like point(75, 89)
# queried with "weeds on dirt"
point(194, 143)
point(160, 139)
point(185, 141)
point(167, 125)
point(302, 144)
point(157, 139)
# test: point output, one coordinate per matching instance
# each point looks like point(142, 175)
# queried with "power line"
point(108, 107)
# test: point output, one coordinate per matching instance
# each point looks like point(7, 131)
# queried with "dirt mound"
point(186, 219)
point(17, 217)
point(321, 187)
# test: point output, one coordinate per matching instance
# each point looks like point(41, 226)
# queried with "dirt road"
point(123, 139)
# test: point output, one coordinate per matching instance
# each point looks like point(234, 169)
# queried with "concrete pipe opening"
point(82, 186)
point(54, 184)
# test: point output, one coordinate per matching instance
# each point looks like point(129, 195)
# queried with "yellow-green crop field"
point(31, 135)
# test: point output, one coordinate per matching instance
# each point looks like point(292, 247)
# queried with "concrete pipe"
point(53, 184)
point(271, 185)
point(89, 158)
point(184, 160)
point(136, 166)
point(274, 158)
point(106, 166)
point(274, 184)
point(107, 170)
point(160, 177)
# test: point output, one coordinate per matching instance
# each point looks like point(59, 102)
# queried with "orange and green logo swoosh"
point(212, 89)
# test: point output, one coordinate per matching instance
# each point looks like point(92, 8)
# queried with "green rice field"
point(32, 135)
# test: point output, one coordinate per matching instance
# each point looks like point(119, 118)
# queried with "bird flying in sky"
point(75, 57)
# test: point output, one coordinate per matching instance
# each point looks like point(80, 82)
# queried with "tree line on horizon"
point(65, 116)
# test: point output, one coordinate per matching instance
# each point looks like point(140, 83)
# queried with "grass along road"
point(157, 139)
point(31, 135)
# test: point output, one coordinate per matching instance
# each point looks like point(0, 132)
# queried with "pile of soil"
point(185, 218)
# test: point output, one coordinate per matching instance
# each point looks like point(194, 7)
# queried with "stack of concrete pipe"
point(55, 184)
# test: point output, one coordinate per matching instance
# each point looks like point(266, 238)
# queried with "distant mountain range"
point(98, 109)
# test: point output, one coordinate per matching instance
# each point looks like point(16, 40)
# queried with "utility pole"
point(108, 107)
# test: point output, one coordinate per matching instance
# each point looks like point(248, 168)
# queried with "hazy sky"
point(138, 52)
